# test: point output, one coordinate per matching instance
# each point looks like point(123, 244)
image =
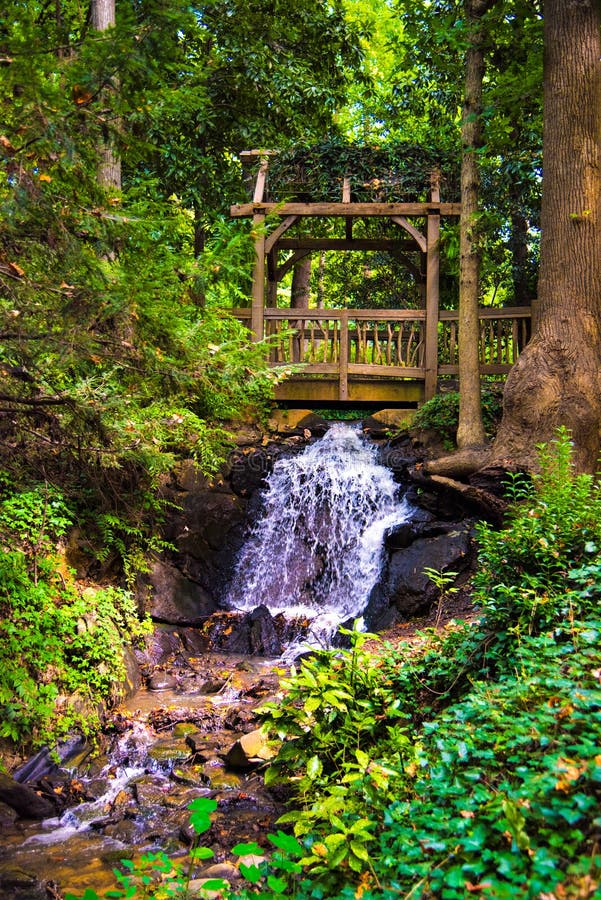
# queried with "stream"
point(315, 553)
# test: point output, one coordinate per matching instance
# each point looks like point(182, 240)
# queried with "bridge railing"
point(387, 342)
point(504, 332)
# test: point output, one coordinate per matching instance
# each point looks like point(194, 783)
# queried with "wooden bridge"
point(388, 356)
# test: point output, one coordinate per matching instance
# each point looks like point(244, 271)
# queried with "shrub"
point(441, 414)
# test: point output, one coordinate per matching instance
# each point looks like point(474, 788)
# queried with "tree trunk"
point(102, 14)
point(301, 284)
point(299, 299)
point(556, 380)
point(470, 431)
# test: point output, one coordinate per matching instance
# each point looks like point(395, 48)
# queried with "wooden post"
point(257, 315)
point(343, 361)
point(432, 292)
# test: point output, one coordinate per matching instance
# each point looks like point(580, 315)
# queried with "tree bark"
point(470, 431)
point(556, 381)
point(102, 15)
point(299, 299)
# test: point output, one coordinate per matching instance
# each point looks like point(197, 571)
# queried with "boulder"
point(175, 599)
point(404, 589)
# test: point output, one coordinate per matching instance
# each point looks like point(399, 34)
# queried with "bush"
point(441, 414)
point(552, 542)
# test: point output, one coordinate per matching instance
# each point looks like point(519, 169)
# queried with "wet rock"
point(7, 816)
point(162, 681)
point(124, 831)
point(249, 750)
point(263, 636)
point(164, 643)
point(150, 791)
point(168, 750)
point(22, 884)
point(404, 589)
point(24, 799)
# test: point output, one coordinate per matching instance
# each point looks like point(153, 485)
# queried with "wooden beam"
point(346, 209)
point(290, 263)
point(258, 288)
point(412, 230)
point(304, 243)
point(261, 179)
point(272, 240)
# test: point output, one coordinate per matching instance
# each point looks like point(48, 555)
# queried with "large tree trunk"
point(556, 380)
point(470, 431)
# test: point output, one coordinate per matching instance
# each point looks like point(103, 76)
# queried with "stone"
point(249, 750)
point(404, 589)
point(162, 681)
point(24, 799)
point(394, 419)
point(264, 640)
point(285, 421)
point(176, 599)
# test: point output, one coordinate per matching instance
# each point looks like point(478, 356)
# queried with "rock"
point(393, 419)
point(404, 589)
point(264, 640)
point(222, 870)
point(175, 599)
point(287, 421)
point(249, 750)
point(314, 424)
point(162, 681)
point(21, 884)
point(164, 643)
point(24, 799)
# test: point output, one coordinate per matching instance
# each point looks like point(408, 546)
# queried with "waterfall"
point(316, 550)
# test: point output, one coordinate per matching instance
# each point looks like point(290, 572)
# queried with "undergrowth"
point(61, 648)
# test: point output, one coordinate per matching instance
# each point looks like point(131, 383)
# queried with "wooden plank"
point(489, 312)
point(386, 371)
point(346, 189)
point(239, 210)
point(343, 362)
point(375, 244)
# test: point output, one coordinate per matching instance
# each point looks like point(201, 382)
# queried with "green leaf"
point(251, 873)
point(251, 849)
point(314, 767)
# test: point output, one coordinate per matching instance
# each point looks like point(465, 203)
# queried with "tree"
point(470, 431)
point(556, 379)
point(102, 15)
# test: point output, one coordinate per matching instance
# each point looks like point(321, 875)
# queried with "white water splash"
point(317, 548)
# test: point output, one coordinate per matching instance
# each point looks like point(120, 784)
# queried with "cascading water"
point(316, 550)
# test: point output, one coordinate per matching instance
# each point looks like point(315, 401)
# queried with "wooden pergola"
point(401, 345)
